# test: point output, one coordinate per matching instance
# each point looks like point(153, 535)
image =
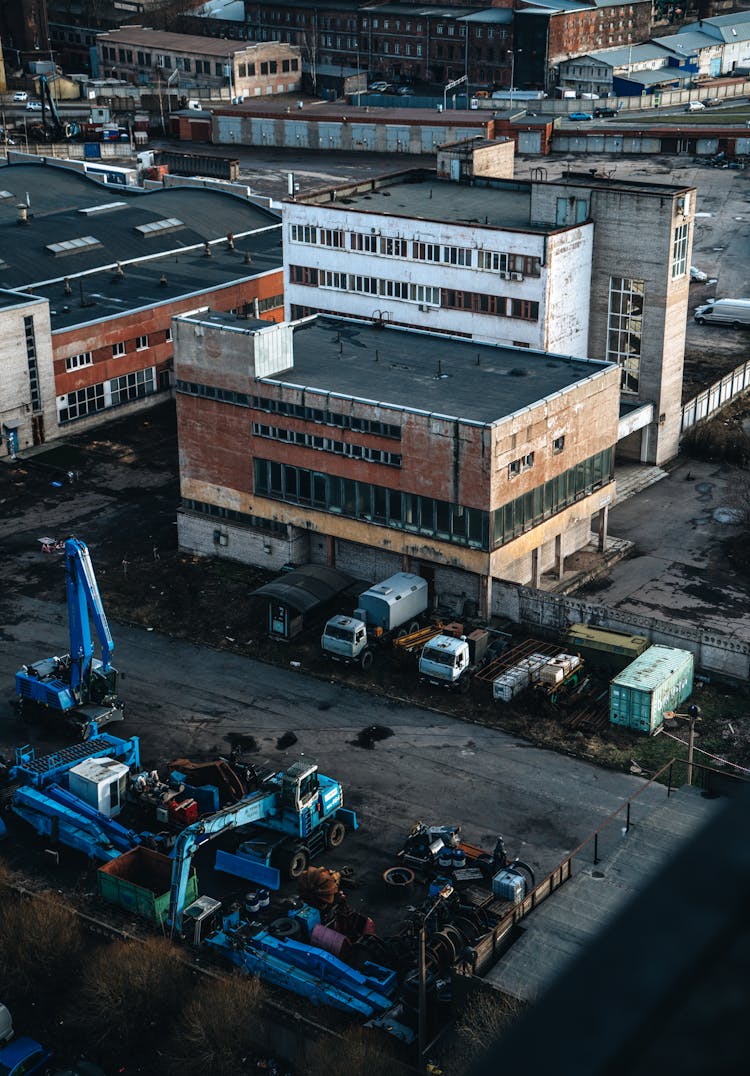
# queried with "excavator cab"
point(299, 786)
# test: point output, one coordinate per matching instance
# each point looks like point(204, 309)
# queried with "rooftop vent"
point(159, 227)
point(73, 246)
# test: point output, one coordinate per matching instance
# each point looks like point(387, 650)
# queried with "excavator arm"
point(84, 599)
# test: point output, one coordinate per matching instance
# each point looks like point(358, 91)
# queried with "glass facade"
point(441, 520)
point(625, 327)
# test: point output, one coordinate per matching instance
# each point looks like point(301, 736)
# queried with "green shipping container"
point(657, 681)
point(139, 881)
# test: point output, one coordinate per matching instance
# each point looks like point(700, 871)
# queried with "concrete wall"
point(33, 422)
point(195, 534)
point(714, 653)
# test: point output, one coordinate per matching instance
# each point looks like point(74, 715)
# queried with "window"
point(523, 464)
point(83, 402)
point(168, 336)
point(118, 350)
point(219, 69)
point(242, 70)
point(303, 274)
point(679, 250)
point(558, 444)
point(624, 328)
point(524, 309)
point(73, 362)
point(186, 64)
point(303, 233)
point(132, 386)
point(331, 237)
point(141, 343)
point(361, 500)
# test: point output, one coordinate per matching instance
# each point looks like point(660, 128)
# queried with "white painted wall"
point(569, 257)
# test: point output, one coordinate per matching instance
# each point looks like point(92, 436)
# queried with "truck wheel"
point(401, 633)
point(736, 325)
point(366, 659)
point(336, 834)
point(463, 685)
point(701, 321)
point(414, 626)
point(296, 863)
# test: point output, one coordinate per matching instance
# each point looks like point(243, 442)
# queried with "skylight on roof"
point(159, 227)
point(6, 194)
point(73, 246)
point(106, 208)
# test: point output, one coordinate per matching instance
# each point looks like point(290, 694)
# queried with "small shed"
point(301, 597)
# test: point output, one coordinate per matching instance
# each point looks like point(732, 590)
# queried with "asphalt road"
point(186, 700)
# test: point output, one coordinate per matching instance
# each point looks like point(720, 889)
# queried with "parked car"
point(405, 91)
point(33, 106)
point(23, 1056)
point(698, 275)
point(694, 106)
point(711, 102)
point(580, 116)
point(602, 113)
point(589, 96)
point(20, 95)
point(378, 87)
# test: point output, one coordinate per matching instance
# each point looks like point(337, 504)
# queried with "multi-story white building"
point(27, 383)
point(549, 265)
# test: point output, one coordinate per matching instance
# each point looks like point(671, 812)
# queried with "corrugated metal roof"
point(682, 44)
point(653, 667)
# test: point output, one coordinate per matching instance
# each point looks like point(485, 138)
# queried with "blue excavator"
point(77, 688)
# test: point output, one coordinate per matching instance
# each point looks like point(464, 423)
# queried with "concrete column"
point(645, 442)
point(485, 597)
point(536, 567)
point(330, 551)
point(559, 558)
point(602, 527)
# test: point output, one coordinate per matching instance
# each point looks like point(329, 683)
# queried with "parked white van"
point(734, 312)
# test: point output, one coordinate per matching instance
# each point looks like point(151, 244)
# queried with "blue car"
point(23, 1056)
point(580, 116)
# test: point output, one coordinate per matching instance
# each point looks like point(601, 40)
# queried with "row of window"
point(211, 392)
point(216, 511)
point(328, 418)
point(118, 390)
point(74, 362)
point(532, 508)
point(181, 63)
point(376, 504)
point(426, 515)
point(394, 25)
point(386, 246)
point(268, 67)
point(499, 305)
point(327, 444)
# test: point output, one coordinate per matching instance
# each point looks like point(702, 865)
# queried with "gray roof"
point(104, 295)
point(167, 41)
point(658, 78)
point(9, 299)
point(683, 44)
point(730, 28)
point(306, 588)
point(623, 55)
point(58, 199)
point(427, 372)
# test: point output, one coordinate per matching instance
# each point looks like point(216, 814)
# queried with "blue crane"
point(78, 687)
point(302, 805)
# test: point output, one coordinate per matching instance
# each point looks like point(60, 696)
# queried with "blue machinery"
point(77, 686)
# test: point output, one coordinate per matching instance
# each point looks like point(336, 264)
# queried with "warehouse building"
point(102, 273)
point(146, 56)
point(547, 265)
point(374, 450)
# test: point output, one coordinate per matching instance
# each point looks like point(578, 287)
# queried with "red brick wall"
point(574, 33)
point(99, 337)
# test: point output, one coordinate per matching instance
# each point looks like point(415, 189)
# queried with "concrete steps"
point(560, 928)
point(631, 480)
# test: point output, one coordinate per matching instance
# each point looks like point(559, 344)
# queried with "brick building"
point(549, 32)
point(403, 42)
point(105, 273)
point(249, 70)
point(379, 450)
point(531, 264)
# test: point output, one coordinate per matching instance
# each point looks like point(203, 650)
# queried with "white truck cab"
point(345, 639)
point(445, 662)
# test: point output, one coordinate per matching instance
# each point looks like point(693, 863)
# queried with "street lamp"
point(693, 714)
point(444, 893)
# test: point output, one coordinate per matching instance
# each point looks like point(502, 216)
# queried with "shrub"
point(215, 1031)
point(40, 944)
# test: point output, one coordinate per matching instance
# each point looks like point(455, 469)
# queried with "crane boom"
point(84, 598)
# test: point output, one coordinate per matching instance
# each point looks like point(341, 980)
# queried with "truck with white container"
point(384, 610)
point(447, 661)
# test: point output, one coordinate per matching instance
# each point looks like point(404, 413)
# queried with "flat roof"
point(65, 206)
point(105, 294)
point(425, 372)
point(9, 299)
point(494, 203)
point(167, 41)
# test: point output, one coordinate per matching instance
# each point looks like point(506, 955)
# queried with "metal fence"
point(716, 396)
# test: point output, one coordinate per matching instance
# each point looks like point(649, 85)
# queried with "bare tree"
point(215, 1032)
